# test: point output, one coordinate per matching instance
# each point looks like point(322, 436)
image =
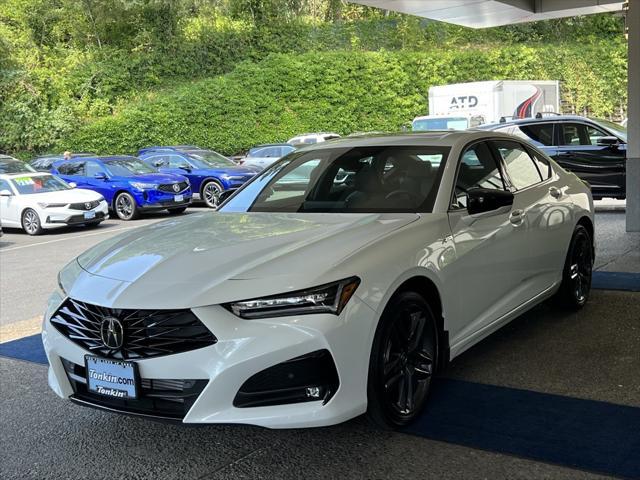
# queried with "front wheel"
point(177, 210)
point(403, 360)
point(211, 193)
point(126, 207)
point(31, 222)
point(578, 266)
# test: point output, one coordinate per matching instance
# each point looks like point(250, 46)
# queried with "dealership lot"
point(547, 357)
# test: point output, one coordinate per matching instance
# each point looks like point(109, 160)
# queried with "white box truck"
point(463, 105)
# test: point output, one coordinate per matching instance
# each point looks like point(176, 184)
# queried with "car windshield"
point(360, 180)
point(10, 166)
point(615, 128)
point(29, 184)
point(209, 159)
point(444, 123)
point(125, 167)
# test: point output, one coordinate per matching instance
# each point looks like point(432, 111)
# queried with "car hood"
point(211, 257)
point(216, 172)
point(66, 196)
point(154, 178)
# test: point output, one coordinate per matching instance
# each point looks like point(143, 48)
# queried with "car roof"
point(530, 120)
point(284, 144)
point(99, 158)
point(442, 138)
point(169, 148)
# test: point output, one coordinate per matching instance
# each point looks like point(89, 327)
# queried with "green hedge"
point(345, 91)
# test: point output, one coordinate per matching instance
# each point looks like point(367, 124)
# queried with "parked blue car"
point(209, 172)
point(129, 185)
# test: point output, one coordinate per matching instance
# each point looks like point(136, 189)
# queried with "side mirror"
point(480, 200)
point(608, 141)
point(5, 193)
point(72, 184)
point(226, 194)
point(158, 163)
point(100, 176)
point(186, 168)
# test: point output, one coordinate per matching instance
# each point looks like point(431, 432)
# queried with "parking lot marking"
point(20, 329)
point(75, 237)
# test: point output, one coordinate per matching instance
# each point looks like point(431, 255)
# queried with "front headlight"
point(143, 186)
point(328, 298)
point(51, 205)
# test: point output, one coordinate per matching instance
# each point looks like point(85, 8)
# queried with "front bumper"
point(158, 200)
point(60, 217)
point(245, 348)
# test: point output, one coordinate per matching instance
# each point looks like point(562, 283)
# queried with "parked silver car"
point(262, 156)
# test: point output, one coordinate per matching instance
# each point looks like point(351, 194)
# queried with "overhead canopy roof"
point(491, 13)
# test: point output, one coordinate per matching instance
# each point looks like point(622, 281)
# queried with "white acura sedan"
point(39, 201)
point(335, 283)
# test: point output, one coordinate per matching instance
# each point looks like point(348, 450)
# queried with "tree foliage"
point(66, 65)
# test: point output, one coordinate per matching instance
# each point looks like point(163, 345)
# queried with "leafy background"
point(111, 76)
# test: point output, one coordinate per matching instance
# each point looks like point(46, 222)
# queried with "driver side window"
point(478, 169)
point(176, 161)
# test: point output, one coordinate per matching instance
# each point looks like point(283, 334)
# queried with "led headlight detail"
point(143, 186)
point(328, 298)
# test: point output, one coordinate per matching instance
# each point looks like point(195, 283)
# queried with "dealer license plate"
point(111, 378)
point(89, 215)
point(178, 198)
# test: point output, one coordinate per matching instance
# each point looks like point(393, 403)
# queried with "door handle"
point(517, 217)
point(555, 192)
point(563, 153)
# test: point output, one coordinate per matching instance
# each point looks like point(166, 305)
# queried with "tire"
point(578, 267)
point(177, 210)
point(31, 222)
point(404, 358)
point(125, 207)
point(210, 193)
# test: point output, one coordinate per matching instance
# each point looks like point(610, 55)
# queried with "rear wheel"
point(403, 360)
point(177, 210)
point(31, 222)
point(576, 276)
point(126, 207)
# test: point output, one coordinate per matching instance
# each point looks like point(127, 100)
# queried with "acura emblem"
point(87, 205)
point(112, 333)
point(176, 187)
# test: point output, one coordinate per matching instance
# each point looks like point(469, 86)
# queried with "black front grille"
point(168, 187)
point(168, 398)
point(147, 333)
point(85, 205)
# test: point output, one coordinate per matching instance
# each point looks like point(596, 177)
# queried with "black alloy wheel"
point(404, 358)
point(125, 206)
point(576, 279)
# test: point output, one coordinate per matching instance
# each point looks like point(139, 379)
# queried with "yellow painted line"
point(4, 250)
point(20, 329)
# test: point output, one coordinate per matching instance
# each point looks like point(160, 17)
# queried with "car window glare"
point(361, 179)
point(27, 185)
point(124, 167)
point(520, 166)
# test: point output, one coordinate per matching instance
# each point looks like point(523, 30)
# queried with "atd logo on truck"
point(464, 101)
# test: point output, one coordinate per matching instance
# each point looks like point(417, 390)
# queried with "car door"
point(488, 248)
point(9, 206)
point(97, 178)
point(603, 166)
point(542, 215)
point(73, 172)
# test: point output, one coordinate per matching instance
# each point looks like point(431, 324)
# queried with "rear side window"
point(538, 133)
point(477, 169)
point(71, 168)
point(542, 163)
point(520, 167)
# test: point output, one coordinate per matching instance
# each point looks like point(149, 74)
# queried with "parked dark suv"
point(595, 150)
